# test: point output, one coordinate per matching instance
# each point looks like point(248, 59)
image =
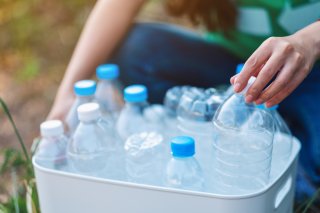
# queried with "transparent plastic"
point(282, 139)
point(51, 152)
point(242, 146)
point(145, 157)
point(170, 103)
point(183, 170)
point(109, 97)
point(195, 112)
point(154, 115)
point(131, 119)
point(94, 150)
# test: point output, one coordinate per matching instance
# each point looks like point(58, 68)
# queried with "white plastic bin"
point(61, 192)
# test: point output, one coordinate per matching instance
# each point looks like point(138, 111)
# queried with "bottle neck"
point(93, 121)
point(136, 104)
point(109, 81)
point(183, 158)
point(53, 137)
point(85, 97)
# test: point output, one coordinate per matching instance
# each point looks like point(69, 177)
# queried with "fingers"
point(284, 77)
point(233, 78)
point(269, 70)
point(252, 66)
point(256, 62)
point(292, 85)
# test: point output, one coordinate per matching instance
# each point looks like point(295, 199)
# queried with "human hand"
point(61, 106)
point(286, 59)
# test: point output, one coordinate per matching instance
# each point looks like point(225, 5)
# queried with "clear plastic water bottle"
point(195, 113)
point(131, 119)
point(171, 102)
point(145, 158)
point(230, 90)
point(242, 146)
point(183, 170)
point(90, 147)
point(282, 144)
point(155, 116)
point(282, 141)
point(84, 91)
point(51, 151)
point(108, 89)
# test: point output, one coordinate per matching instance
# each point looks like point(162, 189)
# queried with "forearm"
point(310, 36)
point(105, 27)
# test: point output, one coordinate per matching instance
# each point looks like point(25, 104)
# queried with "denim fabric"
point(161, 56)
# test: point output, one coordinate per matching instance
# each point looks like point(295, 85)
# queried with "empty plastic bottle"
point(51, 151)
point(195, 112)
point(172, 98)
point(84, 91)
point(282, 144)
point(155, 116)
point(145, 153)
point(242, 146)
point(171, 102)
point(108, 89)
point(91, 145)
point(183, 170)
point(131, 119)
point(282, 141)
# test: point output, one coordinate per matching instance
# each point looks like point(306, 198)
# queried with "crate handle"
point(282, 193)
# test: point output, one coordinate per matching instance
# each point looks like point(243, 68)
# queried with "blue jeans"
point(161, 56)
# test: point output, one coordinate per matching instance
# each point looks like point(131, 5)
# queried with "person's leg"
point(161, 56)
point(302, 109)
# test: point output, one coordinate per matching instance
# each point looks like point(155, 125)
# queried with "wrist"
point(310, 38)
point(318, 40)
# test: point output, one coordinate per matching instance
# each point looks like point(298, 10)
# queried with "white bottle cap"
point(51, 128)
point(249, 84)
point(88, 112)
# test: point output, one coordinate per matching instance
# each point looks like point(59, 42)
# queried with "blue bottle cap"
point(239, 68)
point(85, 87)
point(263, 106)
point(135, 93)
point(107, 71)
point(182, 146)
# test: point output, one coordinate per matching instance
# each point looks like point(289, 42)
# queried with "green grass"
point(17, 163)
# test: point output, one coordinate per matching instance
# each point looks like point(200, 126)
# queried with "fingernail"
point(268, 104)
point(249, 98)
point(259, 101)
point(231, 79)
point(237, 87)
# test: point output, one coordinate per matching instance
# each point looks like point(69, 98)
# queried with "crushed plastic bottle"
point(145, 153)
point(171, 102)
point(154, 115)
point(183, 171)
point(51, 151)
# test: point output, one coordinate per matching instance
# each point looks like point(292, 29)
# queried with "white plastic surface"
point(64, 192)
